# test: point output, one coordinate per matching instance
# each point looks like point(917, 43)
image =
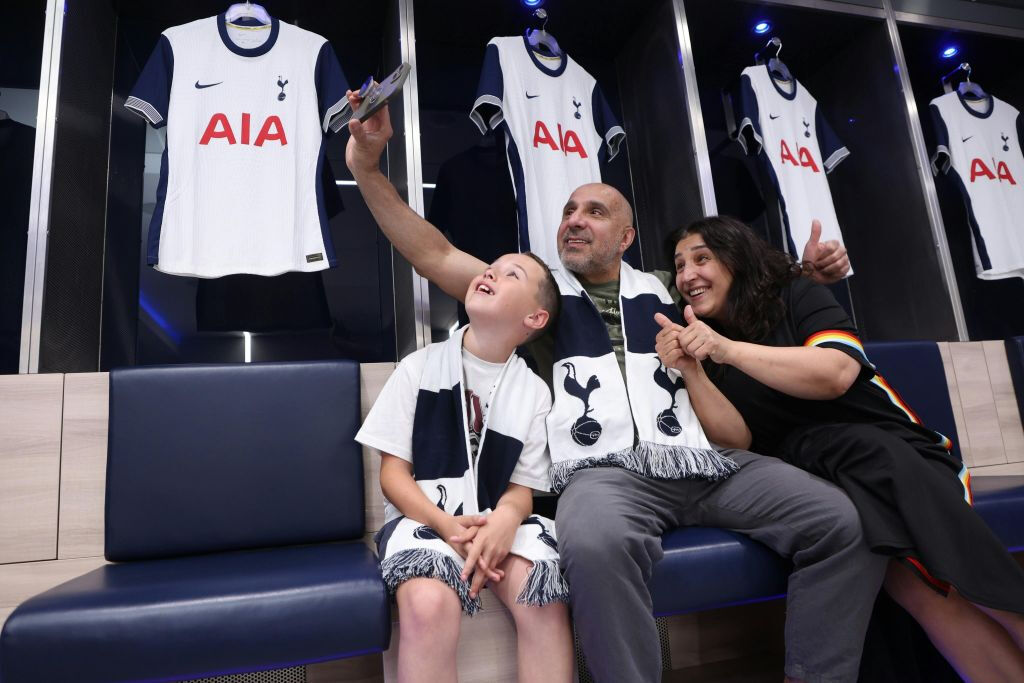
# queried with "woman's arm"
point(800, 371)
point(721, 422)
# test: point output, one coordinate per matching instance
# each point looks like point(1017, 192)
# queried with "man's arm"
point(419, 242)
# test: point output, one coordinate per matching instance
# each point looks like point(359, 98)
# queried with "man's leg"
point(835, 576)
point(609, 525)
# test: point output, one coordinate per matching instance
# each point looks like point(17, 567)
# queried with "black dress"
point(911, 490)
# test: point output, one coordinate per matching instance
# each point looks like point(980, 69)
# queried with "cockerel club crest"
point(585, 430)
point(668, 423)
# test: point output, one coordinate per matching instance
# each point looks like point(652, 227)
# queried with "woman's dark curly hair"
point(759, 271)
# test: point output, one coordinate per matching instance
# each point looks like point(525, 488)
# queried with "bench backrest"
point(205, 458)
point(914, 369)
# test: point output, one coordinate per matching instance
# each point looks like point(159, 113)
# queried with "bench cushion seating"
point(194, 617)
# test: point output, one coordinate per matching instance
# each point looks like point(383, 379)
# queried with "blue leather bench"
point(707, 568)
point(234, 517)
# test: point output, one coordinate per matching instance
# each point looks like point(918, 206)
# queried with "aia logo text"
point(980, 170)
point(219, 127)
point(803, 157)
point(567, 141)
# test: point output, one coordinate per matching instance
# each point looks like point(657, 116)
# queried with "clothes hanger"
point(541, 38)
point(247, 9)
point(776, 67)
point(967, 88)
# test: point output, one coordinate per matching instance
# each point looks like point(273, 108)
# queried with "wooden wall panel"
point(373, 376)
point(83, 465)
point(30, 408)
point(19, 582)
point(979, 406)
point(724, 634)
point(998, 470)
point(365, 669)
point(1005, 399)
point(954, 398)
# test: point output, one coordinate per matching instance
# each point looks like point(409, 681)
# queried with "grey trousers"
point(610, 523)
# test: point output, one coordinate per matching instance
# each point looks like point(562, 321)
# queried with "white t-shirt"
point(246, 110)
point(784, 123)
point(478, 379)
point(388, 426)
point(981, 144)
point(558, 126)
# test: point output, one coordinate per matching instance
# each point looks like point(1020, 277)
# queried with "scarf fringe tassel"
point(657, 461)
point(421, 563)
point(544, 585)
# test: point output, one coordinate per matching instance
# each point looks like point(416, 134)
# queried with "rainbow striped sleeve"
point(851, 341)
point(836, 337)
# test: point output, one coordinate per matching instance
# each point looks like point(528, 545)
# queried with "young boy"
point(460, 426)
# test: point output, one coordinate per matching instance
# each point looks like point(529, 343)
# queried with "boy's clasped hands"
point(483, 541)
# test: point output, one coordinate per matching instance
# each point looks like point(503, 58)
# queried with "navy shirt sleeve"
point(940, 159)
point(487, 111)
point(832, 149)
point(330, 89)
point(151, 94)
point(819, 320)
point(1020, 131)
point(748, 128)
point(606, 124)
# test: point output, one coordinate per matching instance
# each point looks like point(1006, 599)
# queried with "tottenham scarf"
point(444, 471)
point(595, 415)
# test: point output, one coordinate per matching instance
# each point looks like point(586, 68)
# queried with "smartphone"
point(376, 96)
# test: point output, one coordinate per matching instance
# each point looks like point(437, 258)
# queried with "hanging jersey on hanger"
point(246, 109)
point(558, 129)
point(981, 143)
point(798, 148)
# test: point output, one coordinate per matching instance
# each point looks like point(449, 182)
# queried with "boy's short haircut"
point(548, 296)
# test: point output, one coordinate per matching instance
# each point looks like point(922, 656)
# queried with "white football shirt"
point(980, 144)
point(247, 108)
point(784, 124)
point(558, 127)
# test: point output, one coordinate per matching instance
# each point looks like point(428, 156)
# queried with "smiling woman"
point(783, 352)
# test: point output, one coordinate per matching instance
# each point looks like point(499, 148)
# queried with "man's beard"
point(588, 263)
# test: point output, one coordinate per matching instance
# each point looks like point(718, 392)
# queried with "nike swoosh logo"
point(967, 138)
point(208, 85)
point(773, 116)
point(530, 97)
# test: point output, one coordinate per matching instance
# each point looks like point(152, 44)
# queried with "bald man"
point(610, 520)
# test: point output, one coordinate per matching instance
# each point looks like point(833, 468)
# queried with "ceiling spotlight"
point(762, 27)
point(950, 52)
point(532, 3)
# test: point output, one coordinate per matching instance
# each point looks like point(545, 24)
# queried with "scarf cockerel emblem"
point(424, 532)
point(668, 424)
point(585, 430)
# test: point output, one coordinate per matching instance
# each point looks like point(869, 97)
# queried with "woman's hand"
point(699, 341)
point(667, 346)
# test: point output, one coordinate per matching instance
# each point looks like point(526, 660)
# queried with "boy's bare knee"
point(427, 605)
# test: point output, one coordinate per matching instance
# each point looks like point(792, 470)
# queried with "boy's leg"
point(544, 650)
point(835, 576)
point(429, 614)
